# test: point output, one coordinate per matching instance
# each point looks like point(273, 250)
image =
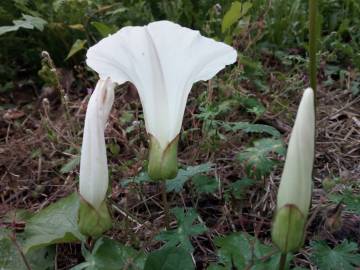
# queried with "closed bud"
point(294, 195)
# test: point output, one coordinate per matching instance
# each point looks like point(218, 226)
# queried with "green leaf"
point(169, 259)
point(109, 254)
point(70, 165)
point(36, 22)
point(78, 45)
point(352, 201)
point(56, 223)
point(236, 11)
point(257, 162)
point(139, 179)
point(10, 258)
point(104, 29)
point(242, 251)
point(238, 189)
point(28, 22)
point(180, 236)
point(205, 184)
point(11, 28)
point(251, 128)
point(343, 256)
point(183, 176)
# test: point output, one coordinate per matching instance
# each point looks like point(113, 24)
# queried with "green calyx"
point(288, 228)
point(163, 163)
point(93, 222)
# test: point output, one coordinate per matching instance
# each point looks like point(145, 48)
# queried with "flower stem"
point(312, 43)
point(166, 205)
point(282, 263)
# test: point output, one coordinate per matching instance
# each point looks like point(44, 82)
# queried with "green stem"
point(282, 263)
point(166, 205)
point(312, 43)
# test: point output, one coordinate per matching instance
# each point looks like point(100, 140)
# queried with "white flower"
point(163, 60)
point(296, 181)
point(93, 163)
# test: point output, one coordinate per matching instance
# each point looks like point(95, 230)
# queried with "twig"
point(166, 205)
point(13, 239)
point(282, 263)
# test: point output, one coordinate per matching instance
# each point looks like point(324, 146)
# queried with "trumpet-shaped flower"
point(93, 162)
point(294, 195)
point(163, 60)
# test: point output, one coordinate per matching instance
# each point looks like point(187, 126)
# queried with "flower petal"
point(296, 181)
point(162, 60)
point(93, 162)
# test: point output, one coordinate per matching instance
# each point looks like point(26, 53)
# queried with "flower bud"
point(294, 195)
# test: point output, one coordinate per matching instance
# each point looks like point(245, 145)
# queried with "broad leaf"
point(169, 259)
point(10, 258)
point(56, 223)
point(104, 29)
point(236, 11)
point(180, 236)
point(109, 254)
point(343, 256)
point(78, 45)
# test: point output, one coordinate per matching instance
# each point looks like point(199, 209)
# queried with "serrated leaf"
point(56, 223)
point(10, 28)
point(242, 251)
point(36, 22)
point(138, 179)
point(205, 184)
point(78, 45)
point(352, 201)
point(10, 258)
point(70, 165)
point(343, 256)
point(28, 22)
point(169, 259)
point(257, 162)
point(185, 229)
point(238, 188)
point(109, 254)
point(251, 128)
point(236, 11)
point(183, 176)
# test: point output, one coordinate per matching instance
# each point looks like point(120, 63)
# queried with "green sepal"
point(163, 163)
point(93, 222)
point(288, 228)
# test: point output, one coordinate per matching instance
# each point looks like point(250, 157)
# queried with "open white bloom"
point(296, 181)
point(93, 163)
point(294, 195)
point(163, 60)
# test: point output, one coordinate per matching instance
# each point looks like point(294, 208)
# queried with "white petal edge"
point(162, 60)
point(296, 181)
point(93, 161)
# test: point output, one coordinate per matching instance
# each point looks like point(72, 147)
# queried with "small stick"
point(166, 205)
point(282, 263)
